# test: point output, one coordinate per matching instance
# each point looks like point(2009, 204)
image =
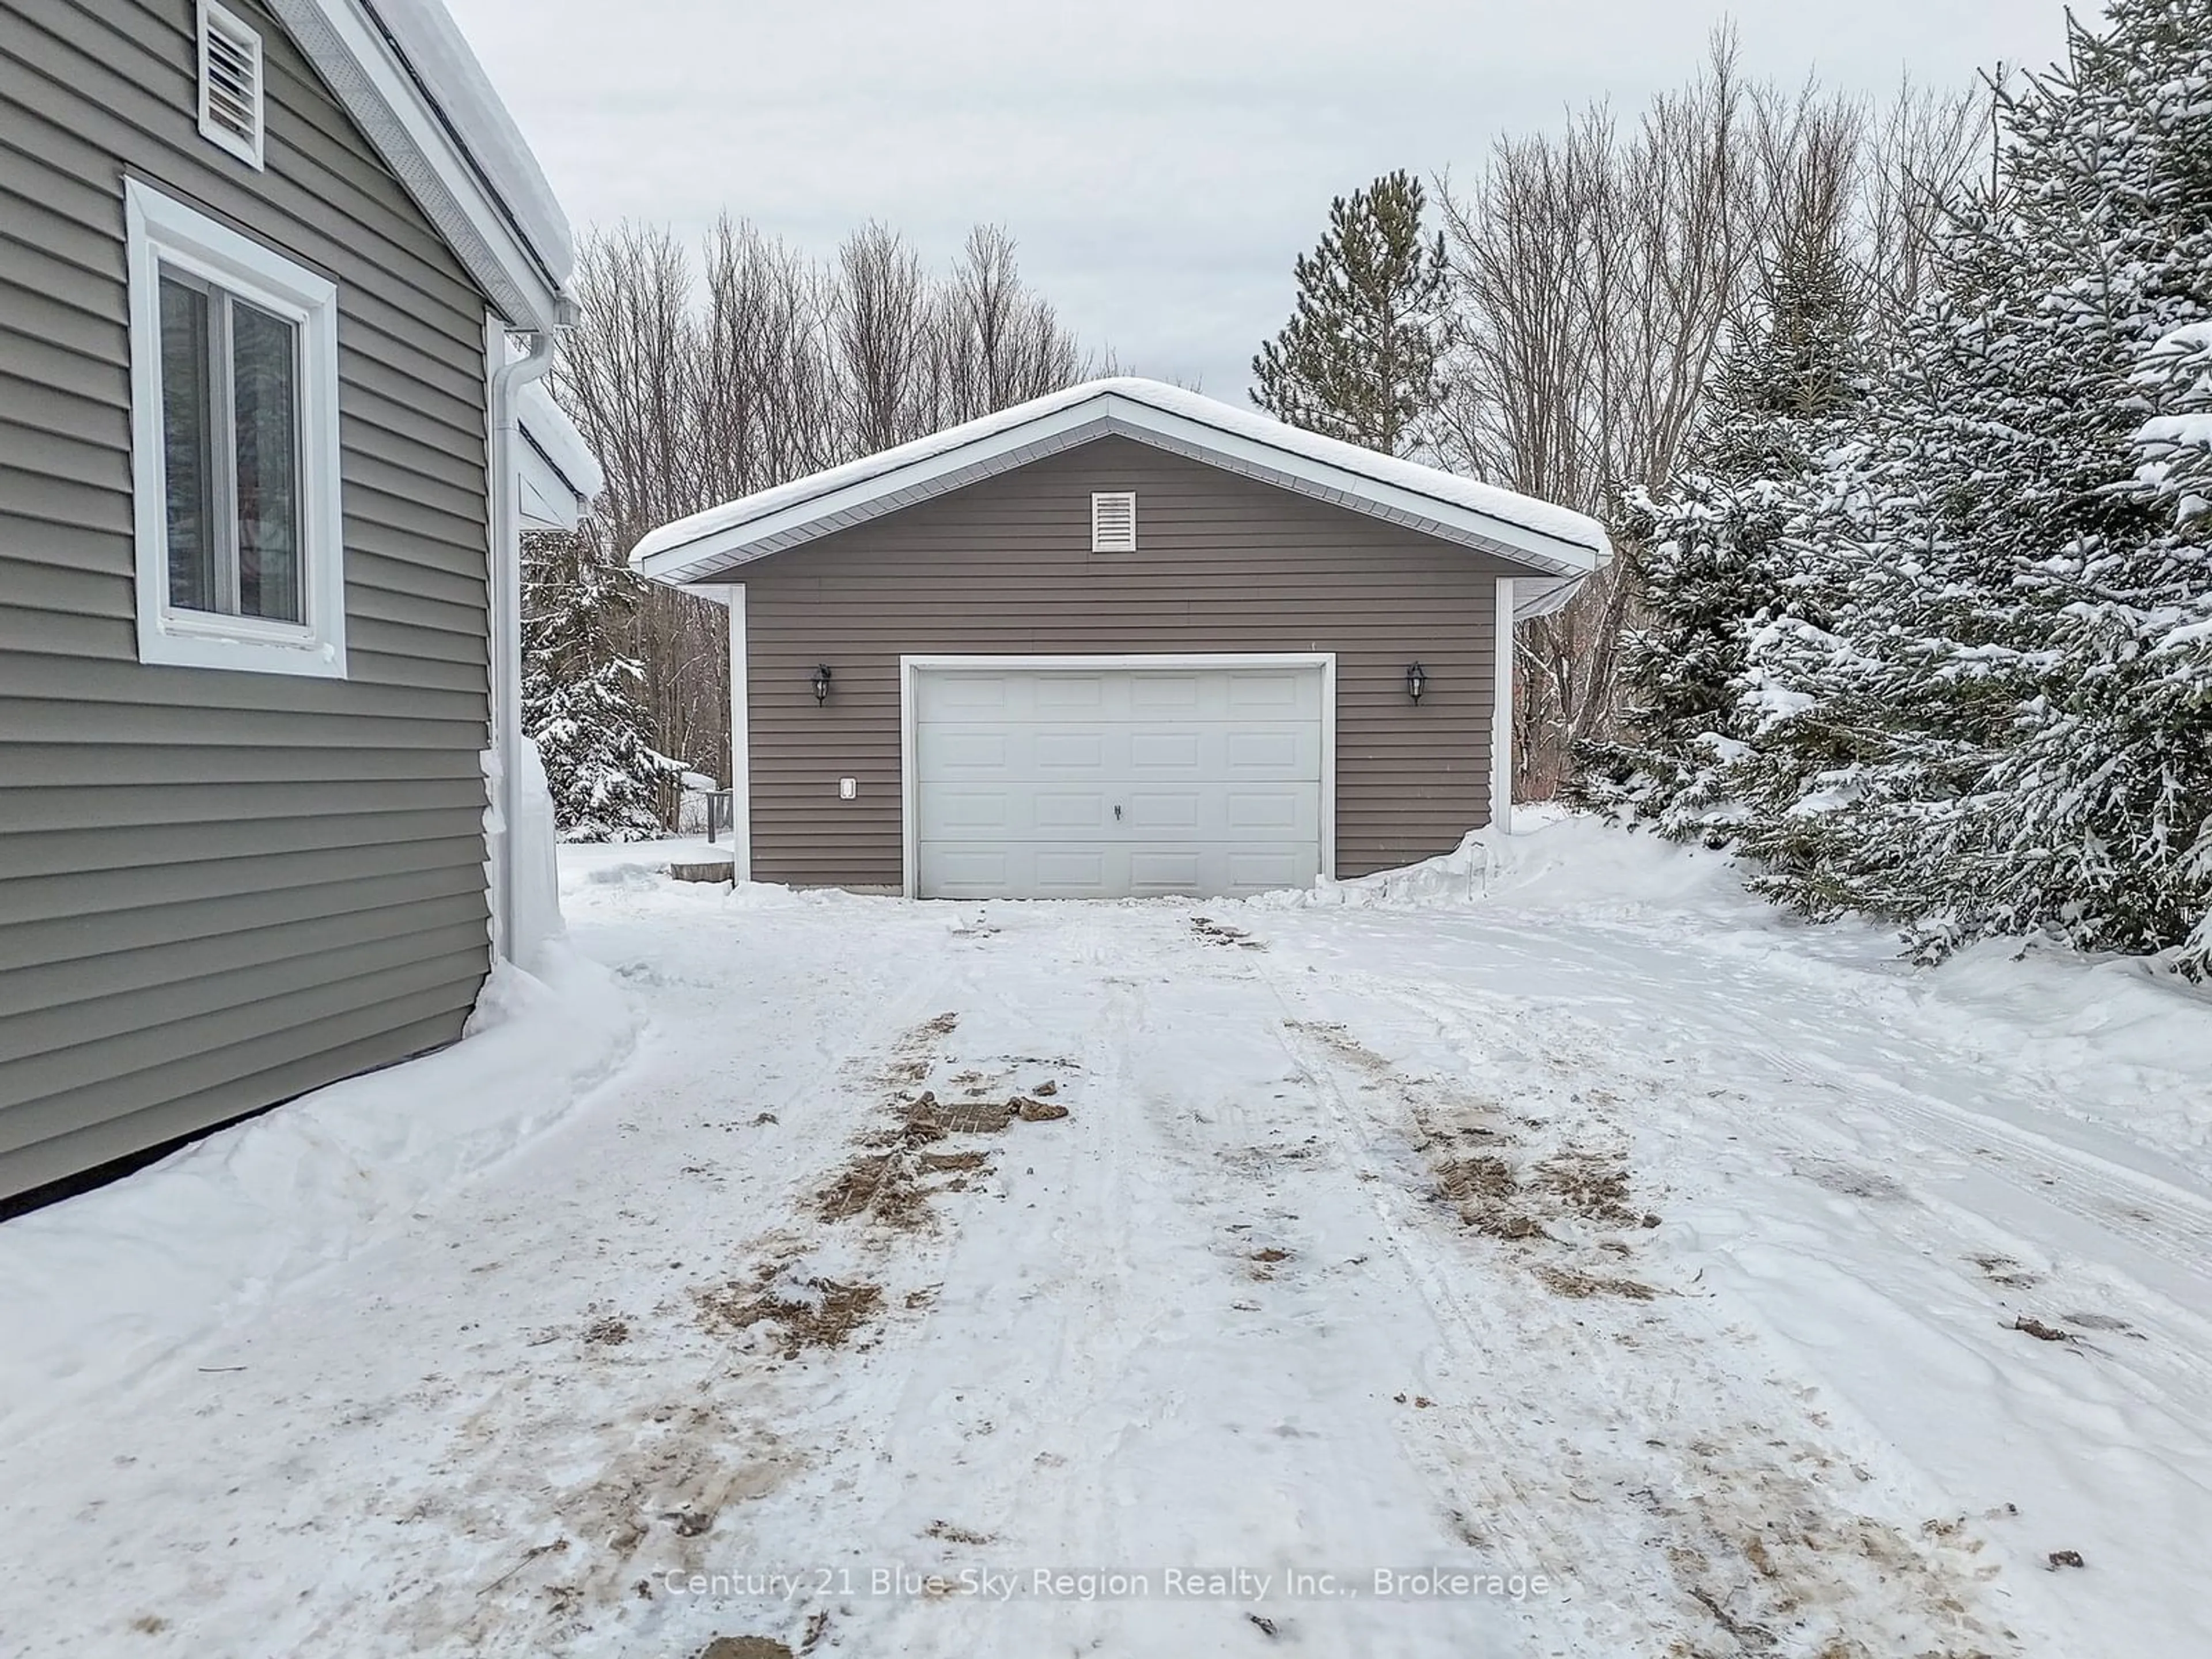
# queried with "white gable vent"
point(230, 83)
point(1113, 522)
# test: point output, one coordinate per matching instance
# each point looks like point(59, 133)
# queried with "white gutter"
point(506, 383)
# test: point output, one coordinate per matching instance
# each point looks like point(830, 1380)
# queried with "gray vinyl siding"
point(218, 890)
point(1224, 563)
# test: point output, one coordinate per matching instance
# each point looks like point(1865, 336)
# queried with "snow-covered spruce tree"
point(580, 692)
point(1719, 545)
point(1357, 360)
point(2000, 723)
point(2176, 474)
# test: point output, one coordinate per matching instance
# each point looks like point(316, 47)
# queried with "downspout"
point(507, 382)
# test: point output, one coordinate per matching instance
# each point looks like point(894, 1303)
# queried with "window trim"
point(160, 231)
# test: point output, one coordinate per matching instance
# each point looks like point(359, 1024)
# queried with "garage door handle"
point(1117, 815)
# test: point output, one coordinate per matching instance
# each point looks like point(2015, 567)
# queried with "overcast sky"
point(1161, 162)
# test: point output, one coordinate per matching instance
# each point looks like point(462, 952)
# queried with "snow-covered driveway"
point(1649, 1264)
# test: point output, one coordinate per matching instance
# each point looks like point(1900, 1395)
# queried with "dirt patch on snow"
point(1218, 933)
point(2003, 1270)
point(743, 1647)
point(936, 1163)
point(804, 1313)
point(952, 1534)
point(1573, 1281)
point(880, 1186)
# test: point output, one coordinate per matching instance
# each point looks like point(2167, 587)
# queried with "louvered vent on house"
point(1113, 522)
point(230, 83)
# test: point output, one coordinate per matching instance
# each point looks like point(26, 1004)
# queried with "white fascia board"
point(870, 495)
point(354, 55)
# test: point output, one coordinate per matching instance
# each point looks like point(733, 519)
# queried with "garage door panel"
point(1162, 871)
point(1284, 751)
point(1178, 809)
point(1064, 810)
point(1217, 774)
point(1260, 873)
point(1057, 695)
point(1152, 695)
point(972, 809)
point(1266, 809)
point(956, 871)
point(1269, 694)
point(1059, 751)
point(956, 750)
point(969, 693)
point(1163, 751)
point(1070, 872)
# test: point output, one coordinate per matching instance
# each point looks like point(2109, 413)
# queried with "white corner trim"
point(159, 231)
point(912, 667)
point(1501, 714)
point(741, 739)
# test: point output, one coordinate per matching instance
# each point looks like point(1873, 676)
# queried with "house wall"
point(217, 890)
point(1224, 563)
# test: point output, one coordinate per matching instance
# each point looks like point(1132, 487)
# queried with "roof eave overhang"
point(719, 555)
point(356, 55)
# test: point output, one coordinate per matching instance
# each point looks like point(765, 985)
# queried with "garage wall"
point(1225, 563)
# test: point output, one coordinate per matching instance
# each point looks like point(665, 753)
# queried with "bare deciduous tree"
point(1597, 276)
point(694, 386)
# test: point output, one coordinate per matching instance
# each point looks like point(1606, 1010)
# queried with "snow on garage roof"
point(404, 73)
point(1551, 542)
point(560, 476)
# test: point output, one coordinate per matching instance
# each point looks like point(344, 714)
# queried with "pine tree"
point(580, 693)
point(1990, 715)
point(1719, 549)
point(1357, 360)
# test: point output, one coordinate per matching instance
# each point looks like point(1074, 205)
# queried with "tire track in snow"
point(1481, 1457)
point(1721, 1518)
point(2163, 1221)
point(2155, 1215)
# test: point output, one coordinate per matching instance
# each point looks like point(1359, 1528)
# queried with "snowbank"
point(1554, 860)
point(2091, 1029)
point(107, 1285)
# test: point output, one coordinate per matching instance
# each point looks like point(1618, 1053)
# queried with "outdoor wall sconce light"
point(1417, 678)
point(822, 683)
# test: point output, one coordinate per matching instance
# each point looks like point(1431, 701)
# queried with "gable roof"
point(404, 72)
point(1554, 546)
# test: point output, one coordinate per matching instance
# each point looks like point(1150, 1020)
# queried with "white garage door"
point(1075, 783)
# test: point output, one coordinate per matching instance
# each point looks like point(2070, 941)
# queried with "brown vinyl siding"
point(1224, 563)
point(218, 890)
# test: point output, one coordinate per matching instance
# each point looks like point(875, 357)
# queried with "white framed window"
point(234, 448)
point(230, 83)
point(1113, 522)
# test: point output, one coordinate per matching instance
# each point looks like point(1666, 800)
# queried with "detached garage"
point(1120, 640)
